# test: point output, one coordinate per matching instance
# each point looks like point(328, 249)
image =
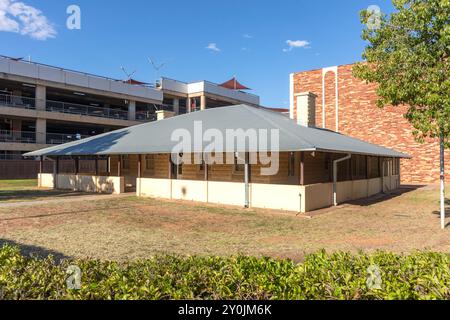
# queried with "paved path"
point(62, 200)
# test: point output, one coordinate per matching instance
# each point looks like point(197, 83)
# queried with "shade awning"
point(234, 84)
point(135, 82)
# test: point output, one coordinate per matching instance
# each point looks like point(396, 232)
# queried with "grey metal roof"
point(155, 137)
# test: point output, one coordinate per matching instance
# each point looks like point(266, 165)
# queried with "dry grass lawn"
point(125, 228)
point(27, 190)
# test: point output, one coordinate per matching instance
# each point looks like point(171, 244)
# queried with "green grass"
point(18, 184)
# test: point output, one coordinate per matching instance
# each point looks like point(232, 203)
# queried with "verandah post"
point(57, 165)
point(302, 168)
point(76, 159)
point(40, 172)
point(96, 166)
point(41, 164)
point(139, 175)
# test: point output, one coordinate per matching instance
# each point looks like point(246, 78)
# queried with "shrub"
point(321, 276)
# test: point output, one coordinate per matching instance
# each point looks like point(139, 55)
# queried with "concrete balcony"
point(60, 111)
point(28, 141)
point(79, 109)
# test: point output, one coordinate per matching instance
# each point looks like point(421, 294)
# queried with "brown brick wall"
point(359, 117)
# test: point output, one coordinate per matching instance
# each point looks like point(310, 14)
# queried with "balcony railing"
point(30, 137)
point(59, 138)
point(79, 109)
point(63, 107)
point(17, 101)
point(17, 136)
point(72, 108)
point(145, 116)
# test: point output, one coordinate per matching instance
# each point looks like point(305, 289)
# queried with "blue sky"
point(246, 38)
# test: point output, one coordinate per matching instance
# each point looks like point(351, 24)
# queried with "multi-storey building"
point(42, 105)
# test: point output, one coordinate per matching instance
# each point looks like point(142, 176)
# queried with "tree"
point(408, 57)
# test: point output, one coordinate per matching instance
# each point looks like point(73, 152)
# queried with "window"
point(374, 167)
point(239, 167)
point(359, 167)
point(396, 168)
point(168, 104)
point(150, 162)
point(291, 170)
point(195, 104)
point(126, 162)
point(182, 106)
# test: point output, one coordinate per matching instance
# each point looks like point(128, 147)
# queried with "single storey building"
point(316, 168)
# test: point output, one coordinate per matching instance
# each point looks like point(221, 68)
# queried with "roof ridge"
point(281, 129)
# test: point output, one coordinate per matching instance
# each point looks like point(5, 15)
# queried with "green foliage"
point(408, 57)
point(320, 276)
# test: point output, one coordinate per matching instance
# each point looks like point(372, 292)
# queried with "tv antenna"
point(156, 67)
point(129, 75)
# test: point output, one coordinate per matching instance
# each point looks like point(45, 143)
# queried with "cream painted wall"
point(155, 188)
point(270, 196)
point(46, 180)
point(190, 190)
point(375, 186)
point(232, 193)
point(279, 197)
point(318, 196)
point(115, 185)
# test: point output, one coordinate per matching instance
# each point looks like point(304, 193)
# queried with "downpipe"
point(335, 164)
point(247, 181)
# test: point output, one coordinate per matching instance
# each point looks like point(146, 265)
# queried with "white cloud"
point(247, 36)
point(213, 47)
point(292, 44)
point(24, 19)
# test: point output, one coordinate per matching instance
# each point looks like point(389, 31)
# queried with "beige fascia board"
point(174, 94)
point(221, 98)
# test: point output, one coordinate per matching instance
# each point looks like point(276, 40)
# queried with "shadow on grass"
point(447, 212)
point(34, 251)
point(386, 196)
point(26, 195)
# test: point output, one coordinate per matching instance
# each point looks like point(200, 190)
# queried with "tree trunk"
point(442, 183)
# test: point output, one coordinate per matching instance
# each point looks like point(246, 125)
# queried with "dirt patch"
point(128, 228)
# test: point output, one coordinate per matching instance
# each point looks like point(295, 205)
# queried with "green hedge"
point(320, 276)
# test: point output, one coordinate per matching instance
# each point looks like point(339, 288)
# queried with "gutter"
point(335, 163)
